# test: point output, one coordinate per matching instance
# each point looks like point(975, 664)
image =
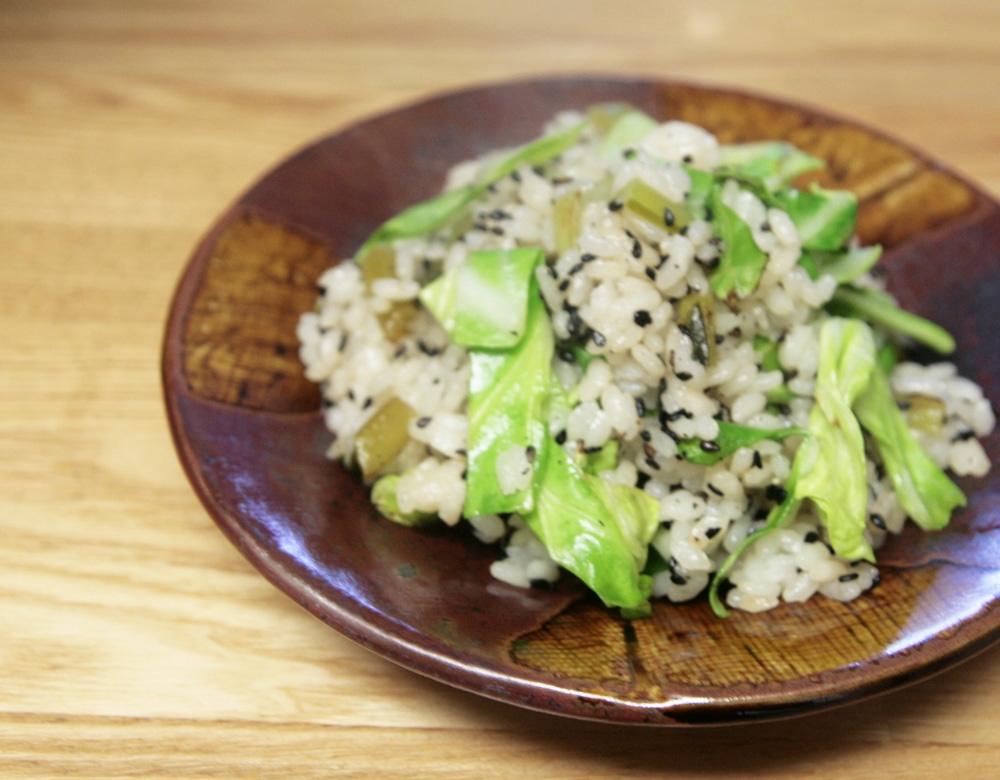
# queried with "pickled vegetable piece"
point(696, 315)
point(654, 207)
point(382, 438)
point(925, 413)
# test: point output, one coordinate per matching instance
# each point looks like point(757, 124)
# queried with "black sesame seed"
point(461, 451)
point(965, 435)
point(400, 351)
point(321, 289)
point(479, 226)
point(423, 422)
point(564, 285)
point(776, 493)
point(719, 338)
point(669, 219)
point(677, 579)
point(343, 343)
point(529, 453)
point(765, 227)
point(651, 273)
point(811, 538)
point(574, 323)
point(640, 407)
point(561, 437)
point(641, 318)
point(711, 533)
point(599, 339)
point(710, 446)
point(350, 394)
point(427, 349)
point(368, 402)
point(879, 522)
point(682, 412)
point(630, 154)
point(541, 584)
point(712, 487)
point(651, 462)
point(848, 577)
point(758, 462)
point(687, 159)
point(615, 205)
point(684, 376)
point(636, 249)
point(575, 269)
point(587, 257)
point(663, 385)
point(645, 435)
point(567, 355)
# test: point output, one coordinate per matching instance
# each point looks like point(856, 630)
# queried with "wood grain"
point(135, 640)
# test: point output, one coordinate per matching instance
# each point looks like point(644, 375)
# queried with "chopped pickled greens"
point(598, 531)
point(742, 261)
point(695, 313)
point(651, 205)
point(775, 164)
point(627, 126)
point(824, 218)
point(383, 436)
point(567, 210)
point(508, 391)
point(430, 215)
point(844, 266)
point(732, 436)
point(923, 489)
point(605, 459)
point(420, 219)
point(484, 301)
point(829, 466)
point(879, 309)
point(536, 152)
point(702, 183)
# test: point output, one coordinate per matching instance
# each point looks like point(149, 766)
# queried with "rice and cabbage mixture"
point(630, 352)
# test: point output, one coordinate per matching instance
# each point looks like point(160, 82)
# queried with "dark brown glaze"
point(246, 425)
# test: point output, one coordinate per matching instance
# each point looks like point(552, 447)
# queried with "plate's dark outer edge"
point(982, 630)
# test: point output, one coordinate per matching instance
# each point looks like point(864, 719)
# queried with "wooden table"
point(134, 640)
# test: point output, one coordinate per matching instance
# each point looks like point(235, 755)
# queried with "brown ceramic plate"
point(249, 434)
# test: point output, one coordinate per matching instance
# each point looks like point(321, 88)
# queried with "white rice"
point(600, 287)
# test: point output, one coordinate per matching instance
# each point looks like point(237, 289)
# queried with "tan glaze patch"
point(687, 645)
point(239, 339)
point(899, 193)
